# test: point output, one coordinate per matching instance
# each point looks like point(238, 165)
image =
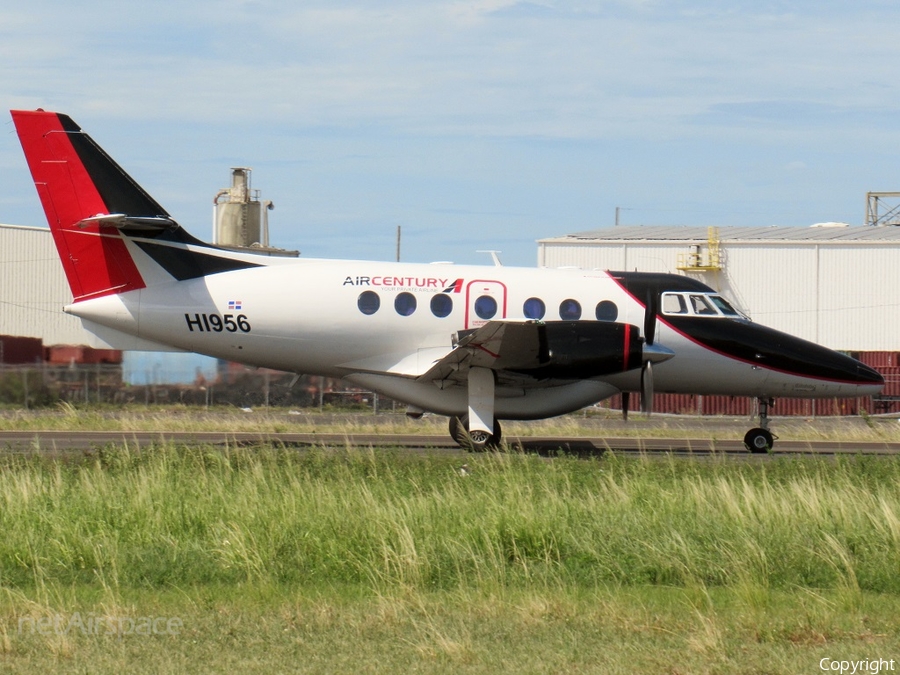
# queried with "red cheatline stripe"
point(627, 346)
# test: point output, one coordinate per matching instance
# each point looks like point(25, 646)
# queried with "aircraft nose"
point(868, 379)
point(786, 357)
point(806, 359)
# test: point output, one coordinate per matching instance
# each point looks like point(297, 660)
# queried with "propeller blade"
point(650, 311)
point(626, 397)
point(647, 388)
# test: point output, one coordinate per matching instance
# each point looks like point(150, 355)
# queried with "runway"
point(50, 442)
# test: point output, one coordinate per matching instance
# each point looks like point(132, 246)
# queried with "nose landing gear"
point(761, 439)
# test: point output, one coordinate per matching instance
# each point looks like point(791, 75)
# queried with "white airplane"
point(476, 343)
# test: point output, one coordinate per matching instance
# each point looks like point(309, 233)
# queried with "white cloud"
point(689, 86)
point(493, 67)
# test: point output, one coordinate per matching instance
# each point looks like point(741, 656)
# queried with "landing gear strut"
point(474, 441)
point(761, 439)
point(478, 429)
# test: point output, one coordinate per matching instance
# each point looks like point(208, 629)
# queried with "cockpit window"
point(723, 306)
point(672, 303)
point(701, 305)
point(698, 304)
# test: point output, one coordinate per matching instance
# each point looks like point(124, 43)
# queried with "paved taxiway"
point(69, 441)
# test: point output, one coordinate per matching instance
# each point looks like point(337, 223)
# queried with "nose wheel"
point(474, 441)
point(761, 439)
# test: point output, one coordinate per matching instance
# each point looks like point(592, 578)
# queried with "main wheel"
point(759, 440)
point(474, 441)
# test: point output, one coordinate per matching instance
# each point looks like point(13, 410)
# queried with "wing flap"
point(552, 350)
point(520, 351)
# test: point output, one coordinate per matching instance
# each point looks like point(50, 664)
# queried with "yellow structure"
point(699, 260)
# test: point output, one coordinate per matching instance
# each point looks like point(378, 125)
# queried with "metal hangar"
point(830, 283)
point(836, 286)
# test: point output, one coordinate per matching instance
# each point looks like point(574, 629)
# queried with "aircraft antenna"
point(494, 256)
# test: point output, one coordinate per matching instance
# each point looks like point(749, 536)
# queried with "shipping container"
point(19, 350)
point(64, 354)
point(878, 360)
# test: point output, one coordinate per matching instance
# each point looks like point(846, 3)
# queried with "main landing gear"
point(761, 439)
point(478, 429)
point(474, 441)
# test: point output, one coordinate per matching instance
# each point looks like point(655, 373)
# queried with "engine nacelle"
point(579, 349)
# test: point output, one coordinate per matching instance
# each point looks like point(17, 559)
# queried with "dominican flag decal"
point(234, 305)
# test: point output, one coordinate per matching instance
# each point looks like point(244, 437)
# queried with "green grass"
point(605, 630)
point(593, 422)
point(381, 561)
point(177, 515)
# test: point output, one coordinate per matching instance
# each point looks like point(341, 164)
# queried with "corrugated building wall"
point(33, 288)
point(834, 286)
point(33, 291)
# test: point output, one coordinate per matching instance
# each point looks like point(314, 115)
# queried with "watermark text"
point(91, 624)
point(866, 666)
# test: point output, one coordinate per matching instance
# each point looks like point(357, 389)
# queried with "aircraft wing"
point(542, 350)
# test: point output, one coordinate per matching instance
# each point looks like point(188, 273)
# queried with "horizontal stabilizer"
point(130, 223)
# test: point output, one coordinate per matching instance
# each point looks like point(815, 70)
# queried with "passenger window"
point(405, 304)
point(485, 307)
point(441, 305)
point(534, 308)
point(702, 306)
point(607, 311)
point(569, 310)
point(368, 302)
point(673, 304)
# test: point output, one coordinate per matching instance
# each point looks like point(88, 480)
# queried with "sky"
point(477, 125)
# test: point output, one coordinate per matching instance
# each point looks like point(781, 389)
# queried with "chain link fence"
point(42, 385)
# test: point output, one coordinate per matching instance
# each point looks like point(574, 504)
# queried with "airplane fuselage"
point(394, 320)
point(475, 343)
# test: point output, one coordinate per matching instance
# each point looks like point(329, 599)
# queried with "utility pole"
point(619, 210)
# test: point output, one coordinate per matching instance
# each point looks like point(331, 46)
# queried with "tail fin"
point(87, 198)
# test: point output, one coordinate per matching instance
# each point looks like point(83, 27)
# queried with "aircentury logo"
point(410, 283)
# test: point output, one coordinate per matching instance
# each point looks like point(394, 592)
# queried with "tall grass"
point(381, 521)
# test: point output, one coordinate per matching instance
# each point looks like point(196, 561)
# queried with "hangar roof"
point(881, 234)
